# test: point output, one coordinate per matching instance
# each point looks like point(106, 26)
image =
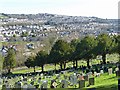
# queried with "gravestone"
point(31, 86)
point(4, 87)
point(74, 79)
point(101, 71)
point(64, 84)
point(86, 77)
point(71, 80)
point(39, 80)
point(98, 74)
point(21, 77)
point(91, 81)
point(16, 85)
point(110, 71)
point(1, 82)
point(25, 86)
point(116, 69)
point(53, 84)
point(29, 79)
point(81, 83)
point(118, 73)
point(89, 74)
point(44, 84)
point(24, 80)
point(37, 86)
point(95, 73)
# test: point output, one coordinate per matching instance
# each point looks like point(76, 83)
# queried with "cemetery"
point(73, 79)
point(91, 63)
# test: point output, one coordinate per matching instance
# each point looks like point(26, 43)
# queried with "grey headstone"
point(81, 83)
point(91, 81)
point(86, 77)
point(64, 83)
point(118, 73)
point(74, 79)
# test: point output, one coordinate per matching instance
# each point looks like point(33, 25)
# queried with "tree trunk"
point(119, 62)
point(42, 68)
point(64, 65)
point(88, 63)
point(55, 66)
point(119, 57)
point(61, 66)
point(34, 69)
point(76, 64)
point(104, 58)
point(9, 70)
point(73, 64)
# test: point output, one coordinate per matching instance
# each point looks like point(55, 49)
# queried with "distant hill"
point(59, 18)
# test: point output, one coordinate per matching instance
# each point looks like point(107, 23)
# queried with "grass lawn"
point(106, 81)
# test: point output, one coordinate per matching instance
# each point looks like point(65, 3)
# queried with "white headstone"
point(110, 70)
point(95, 73)
point(101, 71)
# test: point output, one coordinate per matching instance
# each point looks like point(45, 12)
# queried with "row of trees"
point(87, 48)
point(62, 52)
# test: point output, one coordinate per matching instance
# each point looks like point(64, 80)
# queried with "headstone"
point(54, 84)
point(25, 79)
point(101, 71)
point(71, 80)
point(4, 87)
point(118, 73)
point(1, 82)
point(64, 84)
point(91, 81)
point(81, 83)
point(118, 84)
point(74, 79)
point(98, 75)
point(116, 69)
point(89, 74)
point(25, 86)
point(44, 84)
point(39, 80)
point(95, 73)
point(37, 86)
point(86, 77)
point(30, 86)
point(110, 71)
point(16, 85)
point(21, 77)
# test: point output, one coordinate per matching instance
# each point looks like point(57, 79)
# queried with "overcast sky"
point(98, 8)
